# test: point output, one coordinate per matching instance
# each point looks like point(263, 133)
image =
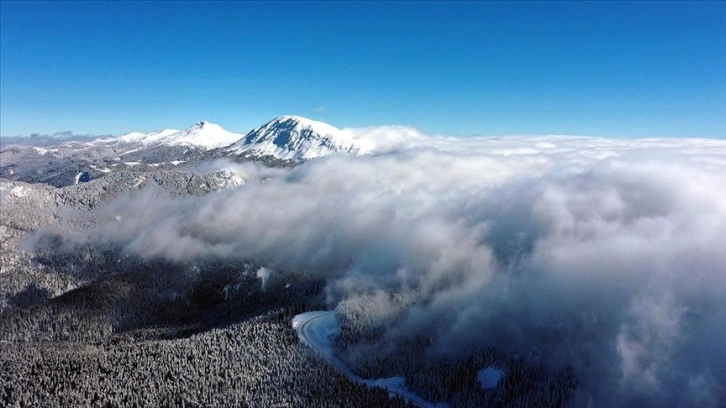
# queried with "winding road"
point(317, 330)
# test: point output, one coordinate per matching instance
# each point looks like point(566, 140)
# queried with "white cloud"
point(607, 254)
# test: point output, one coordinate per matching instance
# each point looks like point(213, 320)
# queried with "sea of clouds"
point(607, 255)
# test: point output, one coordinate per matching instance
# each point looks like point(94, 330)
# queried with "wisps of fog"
point(42, 139)
point(253, 171)
point(603, 255)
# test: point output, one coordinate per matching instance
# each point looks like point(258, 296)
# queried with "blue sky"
point(638, 69)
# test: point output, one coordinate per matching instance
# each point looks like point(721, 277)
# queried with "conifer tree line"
point(135, 332)
point(255, 363)
point(437, 376)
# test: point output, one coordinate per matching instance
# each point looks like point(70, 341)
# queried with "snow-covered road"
point(318, 330)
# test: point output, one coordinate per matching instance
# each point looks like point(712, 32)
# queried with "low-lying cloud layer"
point(605, 255)
point(37, 139)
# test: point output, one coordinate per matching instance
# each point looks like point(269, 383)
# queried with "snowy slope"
point(295, 138)
point(205, 135)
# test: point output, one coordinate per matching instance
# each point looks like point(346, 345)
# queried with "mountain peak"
point(282, 118)
point(302, 121)
point(296, 138)
point(204, 124)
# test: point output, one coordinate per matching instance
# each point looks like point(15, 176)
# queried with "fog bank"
point(600, 254)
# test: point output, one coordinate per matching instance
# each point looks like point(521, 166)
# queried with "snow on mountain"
point(296, 138)
point(203, 134)
point(147, 138)
point(286, 137)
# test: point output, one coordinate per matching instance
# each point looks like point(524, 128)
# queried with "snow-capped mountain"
point(205, 135)
point(295, 138)
point(279, 141)
point(286, 137)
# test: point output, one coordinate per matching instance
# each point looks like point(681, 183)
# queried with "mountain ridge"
point(287, 137)
point(203, 134)
point(282, 141)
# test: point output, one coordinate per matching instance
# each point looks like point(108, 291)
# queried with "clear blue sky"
point(611, 69)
